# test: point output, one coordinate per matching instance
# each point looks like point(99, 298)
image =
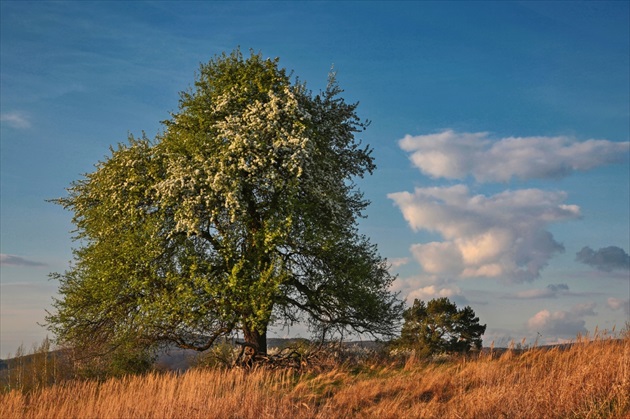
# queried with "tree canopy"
point(242, 213)
point(439, 327)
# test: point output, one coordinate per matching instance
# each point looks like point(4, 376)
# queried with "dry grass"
point(587, 380)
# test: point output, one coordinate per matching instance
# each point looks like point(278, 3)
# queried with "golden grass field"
point(585, 380)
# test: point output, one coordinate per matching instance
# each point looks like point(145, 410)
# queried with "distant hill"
point(176, 359)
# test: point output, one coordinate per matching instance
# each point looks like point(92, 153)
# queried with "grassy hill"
point(585, 380)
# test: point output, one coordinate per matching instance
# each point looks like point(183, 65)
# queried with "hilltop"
point(586, 379)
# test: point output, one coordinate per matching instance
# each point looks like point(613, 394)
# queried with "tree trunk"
point(257, 339)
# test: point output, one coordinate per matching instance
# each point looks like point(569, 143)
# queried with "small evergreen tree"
point(439, 327)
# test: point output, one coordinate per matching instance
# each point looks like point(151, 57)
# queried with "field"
point(589, 379)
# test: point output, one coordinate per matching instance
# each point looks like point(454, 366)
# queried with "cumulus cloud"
point(455, 155)
point(605, 259)
point(500, 236)
point(562, 323)
point(12, 260)
point(15, 120)
point(619, 304)
point(551, 291)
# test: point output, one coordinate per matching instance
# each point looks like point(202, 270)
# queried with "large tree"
point(241, 214)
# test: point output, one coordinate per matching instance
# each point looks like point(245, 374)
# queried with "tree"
point(241, 214)
point(439, 327)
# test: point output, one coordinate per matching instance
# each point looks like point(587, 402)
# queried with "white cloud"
point(562, 323)
point(499, 236)
point(454, 155)
point(15, 120)
point(441, 258)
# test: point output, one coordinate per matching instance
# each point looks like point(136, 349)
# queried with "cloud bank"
point(454, 155)
point(605, 259)
point(12, 260)
point(500, 236)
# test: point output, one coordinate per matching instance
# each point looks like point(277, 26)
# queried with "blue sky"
point(500, 130)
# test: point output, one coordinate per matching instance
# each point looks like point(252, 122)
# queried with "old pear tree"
point(241, 214)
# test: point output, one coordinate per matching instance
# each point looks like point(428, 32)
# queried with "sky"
point(500, 132)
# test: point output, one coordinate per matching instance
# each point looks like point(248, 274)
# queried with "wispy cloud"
point(605, 259)
point(12, 260)
point(454, 155)
point(17, 120)
point(500, 236)
point(550, 291)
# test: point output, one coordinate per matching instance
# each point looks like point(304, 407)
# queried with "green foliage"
point(223, 354)
point(240, 214)
point(439, 327)
point(128, 359)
